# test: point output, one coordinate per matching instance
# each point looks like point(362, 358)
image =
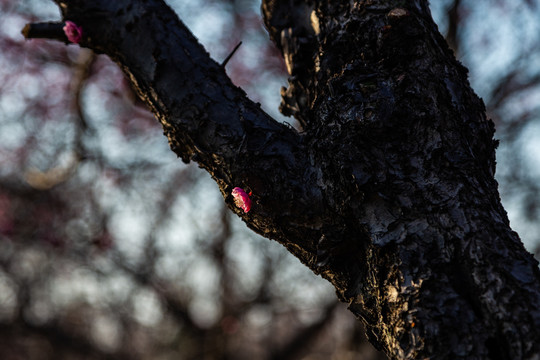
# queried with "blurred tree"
point(93, 194)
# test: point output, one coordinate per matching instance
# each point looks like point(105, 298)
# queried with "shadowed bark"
point(388, 192)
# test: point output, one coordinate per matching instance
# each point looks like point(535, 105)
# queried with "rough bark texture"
point(388, 192)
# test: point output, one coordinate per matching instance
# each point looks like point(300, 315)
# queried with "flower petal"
point(73, 32)
point(241, 199)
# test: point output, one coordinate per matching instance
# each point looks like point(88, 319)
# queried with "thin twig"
point(230, 55)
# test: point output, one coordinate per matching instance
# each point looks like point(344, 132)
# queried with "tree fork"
point(388, 192)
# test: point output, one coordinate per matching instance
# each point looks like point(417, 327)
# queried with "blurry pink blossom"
point(73, 32)
point(241, 199)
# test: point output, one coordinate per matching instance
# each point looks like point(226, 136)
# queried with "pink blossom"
point(73, 32)
point(241, 199)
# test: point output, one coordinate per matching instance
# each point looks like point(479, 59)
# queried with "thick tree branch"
point(205, 117)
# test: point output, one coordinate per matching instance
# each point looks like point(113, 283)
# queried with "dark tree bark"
point(388, 192)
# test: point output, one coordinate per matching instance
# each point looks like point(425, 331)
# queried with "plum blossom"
point(241, 199)
point(73, 32)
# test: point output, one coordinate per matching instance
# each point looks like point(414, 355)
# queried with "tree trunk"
point(388, 191)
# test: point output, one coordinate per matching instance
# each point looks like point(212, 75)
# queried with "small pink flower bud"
point(73, 32)
point(241, 199)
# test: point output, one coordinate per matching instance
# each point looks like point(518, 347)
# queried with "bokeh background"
point(112, 248)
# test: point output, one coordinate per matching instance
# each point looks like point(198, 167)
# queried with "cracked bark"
point(388, 192)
